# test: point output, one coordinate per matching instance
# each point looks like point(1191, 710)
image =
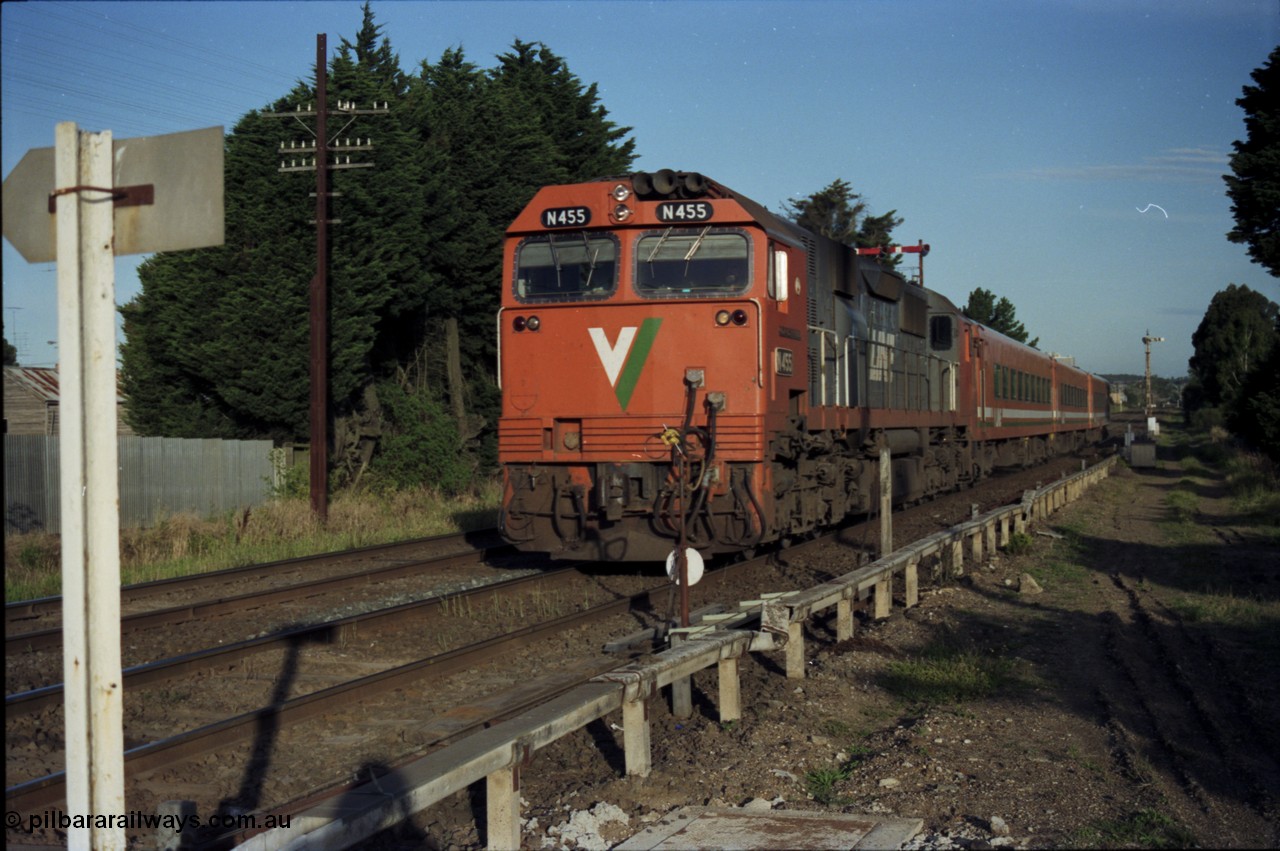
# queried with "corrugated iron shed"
point(31, 400)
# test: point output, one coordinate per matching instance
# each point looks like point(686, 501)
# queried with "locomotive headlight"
point(722, 317)
point(518, 323)
point(533, 323)
point(621, 213)
point(521, 323)
point(739, 317)
point(621, 193)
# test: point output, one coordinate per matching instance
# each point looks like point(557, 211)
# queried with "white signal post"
point(61, 204)
point(89, 484)
point(1147, 340)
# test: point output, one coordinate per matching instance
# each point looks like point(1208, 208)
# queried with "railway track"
point(154, 755)
point(284, 595)
point(48, 790)
point(20, 616)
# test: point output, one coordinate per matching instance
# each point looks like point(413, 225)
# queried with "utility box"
point(1142, 454)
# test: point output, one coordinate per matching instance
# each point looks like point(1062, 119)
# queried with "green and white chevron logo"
point(623, 359)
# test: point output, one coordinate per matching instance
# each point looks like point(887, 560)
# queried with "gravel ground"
point(1096, 711)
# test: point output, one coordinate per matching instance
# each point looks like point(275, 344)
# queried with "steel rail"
point(187, 664)
point(50, 789)
point(51, 637)
point(20, 610)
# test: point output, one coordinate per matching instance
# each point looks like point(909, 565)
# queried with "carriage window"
point(691, 262)
point(566, 267)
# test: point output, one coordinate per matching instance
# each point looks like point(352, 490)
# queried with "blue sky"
point(1022, 140)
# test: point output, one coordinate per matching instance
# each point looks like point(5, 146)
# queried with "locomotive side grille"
point(622, 437)
point(519, 437)
point(628, 439)
point(811, 268)
point(740, 436)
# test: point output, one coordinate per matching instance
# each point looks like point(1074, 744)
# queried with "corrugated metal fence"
point(159, 476)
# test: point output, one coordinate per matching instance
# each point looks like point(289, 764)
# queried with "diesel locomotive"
point(680, 365)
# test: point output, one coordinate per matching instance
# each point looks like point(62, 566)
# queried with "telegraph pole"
point(322, 163)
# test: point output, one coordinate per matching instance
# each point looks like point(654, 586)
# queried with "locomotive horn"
point(642, 182)
point(664, 182)
point(694, 184)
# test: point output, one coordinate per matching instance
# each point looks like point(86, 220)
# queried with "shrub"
point(1019, 543)
point(419, 444)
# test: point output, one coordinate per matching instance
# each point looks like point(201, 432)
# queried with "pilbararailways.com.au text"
point(138, 820)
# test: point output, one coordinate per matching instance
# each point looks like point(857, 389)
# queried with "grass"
point(949, 671)
point(184, 544)
point(1019, 543)
point(821, 783)
point(1143, 829)
point(1065, 566)
point(1224, 608)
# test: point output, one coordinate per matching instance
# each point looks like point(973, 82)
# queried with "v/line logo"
point(623, 360)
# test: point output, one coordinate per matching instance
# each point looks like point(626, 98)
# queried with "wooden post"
point(635, 736)
point(911, 581)
point(730, 690)
point(503, 808)
point(883, 598)
point(795, 651)
point(844, 619)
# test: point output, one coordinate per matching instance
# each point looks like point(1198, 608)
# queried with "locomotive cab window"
point(940, 333)
point(692, 262)
point(566, 267)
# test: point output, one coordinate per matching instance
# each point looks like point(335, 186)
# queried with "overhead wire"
point(111, 72)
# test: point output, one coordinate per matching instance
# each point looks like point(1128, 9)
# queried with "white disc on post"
point(693, 560)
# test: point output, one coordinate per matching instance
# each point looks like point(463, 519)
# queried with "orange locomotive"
point(678, 364)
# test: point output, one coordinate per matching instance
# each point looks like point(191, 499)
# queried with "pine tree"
point(998, 315)
point(1234, 337)
point(1254, 185)
point(840, 213)
point(217, 341)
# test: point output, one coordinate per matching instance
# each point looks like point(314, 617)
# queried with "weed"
point(821, 783)
point(1182, 503)
point(838, 729)
point(1143, 829)
point(1019, 543)
point(179, 545)
point(947, 672)
point(1222, 608)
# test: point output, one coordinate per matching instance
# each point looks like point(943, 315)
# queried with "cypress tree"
point(217, 341)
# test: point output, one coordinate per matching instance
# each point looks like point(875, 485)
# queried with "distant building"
point(31, 397)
